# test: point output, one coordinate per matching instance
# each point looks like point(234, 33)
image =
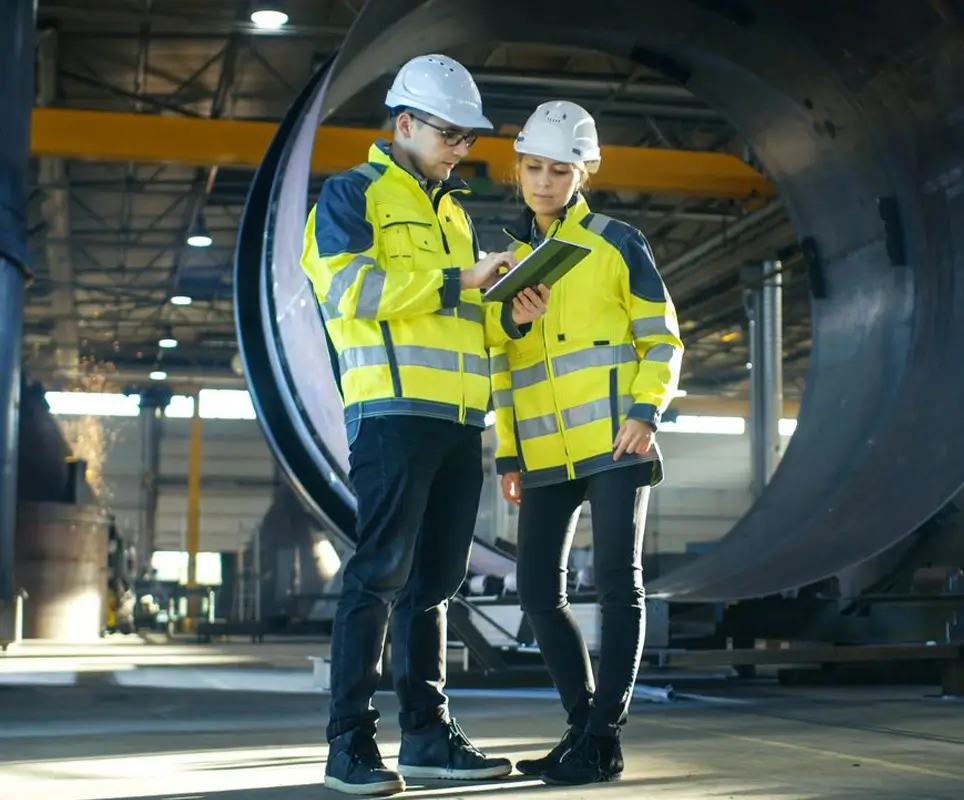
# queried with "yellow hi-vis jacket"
point(608, 347)
point(384, 252)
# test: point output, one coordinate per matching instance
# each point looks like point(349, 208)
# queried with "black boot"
point(355, 767)
point(444, 751)
point(591, 759)
point(537, 766)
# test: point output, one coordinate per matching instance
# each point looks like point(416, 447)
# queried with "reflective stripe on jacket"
point(608, 348)
point(383, 254)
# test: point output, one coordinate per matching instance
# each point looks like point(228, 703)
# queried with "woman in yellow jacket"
point(577, 403)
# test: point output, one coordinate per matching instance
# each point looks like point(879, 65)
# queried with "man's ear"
point(403, 125)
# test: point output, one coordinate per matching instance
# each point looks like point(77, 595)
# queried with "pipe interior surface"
point(856, 113)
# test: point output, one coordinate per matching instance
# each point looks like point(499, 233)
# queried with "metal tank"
point(61, 562)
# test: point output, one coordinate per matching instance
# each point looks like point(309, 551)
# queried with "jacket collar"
point(381, 153)
point(521, 229)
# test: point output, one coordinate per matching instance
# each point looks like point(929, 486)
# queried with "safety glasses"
point(451, 137)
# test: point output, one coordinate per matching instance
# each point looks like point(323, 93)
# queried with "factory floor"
point(256, 734)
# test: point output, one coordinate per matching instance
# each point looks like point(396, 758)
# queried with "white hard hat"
point(440, 86)
point(563, 131)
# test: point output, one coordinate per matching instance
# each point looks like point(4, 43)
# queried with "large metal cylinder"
point(864, 143)
point(61, 562)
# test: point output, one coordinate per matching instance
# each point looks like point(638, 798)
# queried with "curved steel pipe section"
point(864, 143)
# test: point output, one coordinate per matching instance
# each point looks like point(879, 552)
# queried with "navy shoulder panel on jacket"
point(644, 279)
point(341, 224)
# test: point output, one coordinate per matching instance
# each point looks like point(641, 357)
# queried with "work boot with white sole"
point(355, 767)
point(444, 752)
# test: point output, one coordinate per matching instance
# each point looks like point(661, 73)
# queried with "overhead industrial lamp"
point(268, 16)
point(158, 375)
point(167, 342)
point(200, 237)
point(181, 300)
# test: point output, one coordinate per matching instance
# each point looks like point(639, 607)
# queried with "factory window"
point(226, 404)
point(236, 404)
point(733, 426)
point(171, 565)
point(215, 404)
point(180, 407)
point(704, 424)
point(93, 404)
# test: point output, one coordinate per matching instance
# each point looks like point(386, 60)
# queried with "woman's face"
point(547, 186)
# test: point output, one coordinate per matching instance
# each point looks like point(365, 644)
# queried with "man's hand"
point(633, 437)
point(512, 487)
point(485, 272)
point(529, 304)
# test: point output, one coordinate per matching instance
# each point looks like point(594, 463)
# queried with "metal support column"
point(16, 100)
point(193, 512)
point(153, 403)
point(765, 312)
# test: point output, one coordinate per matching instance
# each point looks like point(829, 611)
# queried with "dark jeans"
point(619, 499)
point(418, 482)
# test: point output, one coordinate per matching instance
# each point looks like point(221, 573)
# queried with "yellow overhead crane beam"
point(148, 138)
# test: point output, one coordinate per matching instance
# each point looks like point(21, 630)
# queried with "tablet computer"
point(546, 264)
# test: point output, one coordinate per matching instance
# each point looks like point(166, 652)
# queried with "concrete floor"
point(89, 740)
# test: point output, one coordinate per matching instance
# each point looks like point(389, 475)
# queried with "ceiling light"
point(268, 16)
point(181, 299)
point(200, 240)
point(199, 237)
point(168, 343)
point(158, 375)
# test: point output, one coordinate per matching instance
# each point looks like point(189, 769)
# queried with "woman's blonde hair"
point(577, 166)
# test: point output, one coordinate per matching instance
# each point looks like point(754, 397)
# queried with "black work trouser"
point(418, 482)
point(619, 498)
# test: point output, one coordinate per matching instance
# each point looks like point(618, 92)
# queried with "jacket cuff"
point(504, 465)
point(451, 291)
point(512, 330)
point(645, 412)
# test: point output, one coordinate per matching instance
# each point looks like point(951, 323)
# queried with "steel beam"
point(109, 136)
point(766, 376)
point(55, 211)
point(16, 97)
point(11, 303)
point(153, 404)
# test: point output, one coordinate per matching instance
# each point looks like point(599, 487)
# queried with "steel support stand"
point(764, 301)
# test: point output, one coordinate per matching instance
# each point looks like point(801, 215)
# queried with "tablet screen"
point(546, 264)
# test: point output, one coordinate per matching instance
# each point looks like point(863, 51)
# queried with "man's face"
point(436, 146)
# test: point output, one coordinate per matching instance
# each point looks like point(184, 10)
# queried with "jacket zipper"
point(436, 202)
point(570, 467)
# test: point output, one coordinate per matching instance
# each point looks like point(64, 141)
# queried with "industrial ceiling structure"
point(150, 119)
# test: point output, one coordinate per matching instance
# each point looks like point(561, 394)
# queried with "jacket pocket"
point(406, 235)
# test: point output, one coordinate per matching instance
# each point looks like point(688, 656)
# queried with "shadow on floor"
point(516, 784)
point(306, 760)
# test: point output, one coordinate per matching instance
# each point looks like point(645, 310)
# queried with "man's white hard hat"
point(439, 86)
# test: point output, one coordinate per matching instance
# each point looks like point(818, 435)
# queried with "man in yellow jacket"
point(395, 265)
